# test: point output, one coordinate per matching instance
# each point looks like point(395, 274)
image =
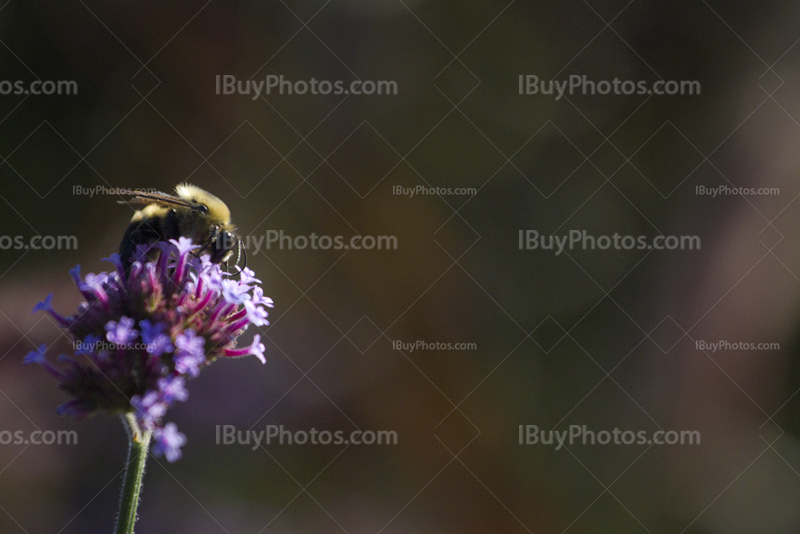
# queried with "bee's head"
point(223, 242)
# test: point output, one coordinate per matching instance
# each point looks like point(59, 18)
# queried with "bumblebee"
point(192, 212)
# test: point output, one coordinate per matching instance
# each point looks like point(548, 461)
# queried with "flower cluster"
point(144, 330)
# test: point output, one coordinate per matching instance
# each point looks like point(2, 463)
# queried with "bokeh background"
point(599, 338)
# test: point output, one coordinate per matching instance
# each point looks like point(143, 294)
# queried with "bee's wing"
point(163, 199)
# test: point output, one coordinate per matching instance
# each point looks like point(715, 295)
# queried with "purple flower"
point(256, 314)
point(150, 331)
point(179, 305)
point(115, 259)
point(210, 273)
point(248, 277)
point(183, 248)
point(168, 442)
point(234, 292)
point(75, 272)
point(183, 245)
point(190, 343)
point(189, 355)
point(154, 338)
point(160, 345)
point(44, 305)
point(150, 408)
point(121, 332)
point(187, 363)
point(36, 356)
point(259, 298)
point(257, 348)
point(94, 282)
point(141, 252)
point(203, 263)
point(173, 389)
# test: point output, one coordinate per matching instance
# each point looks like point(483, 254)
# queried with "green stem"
point(134, 471)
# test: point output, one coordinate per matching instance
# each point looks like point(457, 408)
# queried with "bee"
point(192, 212)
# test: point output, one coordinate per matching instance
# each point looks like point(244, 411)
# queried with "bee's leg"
point(238, 258)
point(212, 240)
point(138, 233)
point(127, 246)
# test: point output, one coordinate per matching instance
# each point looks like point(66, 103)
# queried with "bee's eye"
point(203, 208)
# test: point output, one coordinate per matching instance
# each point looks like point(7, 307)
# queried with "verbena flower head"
point(142, 333)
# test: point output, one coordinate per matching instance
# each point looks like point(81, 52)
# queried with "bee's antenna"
point(242, 252)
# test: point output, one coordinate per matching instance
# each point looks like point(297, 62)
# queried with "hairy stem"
point(139, 442)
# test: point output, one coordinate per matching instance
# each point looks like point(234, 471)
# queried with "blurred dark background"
point(599, 338)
